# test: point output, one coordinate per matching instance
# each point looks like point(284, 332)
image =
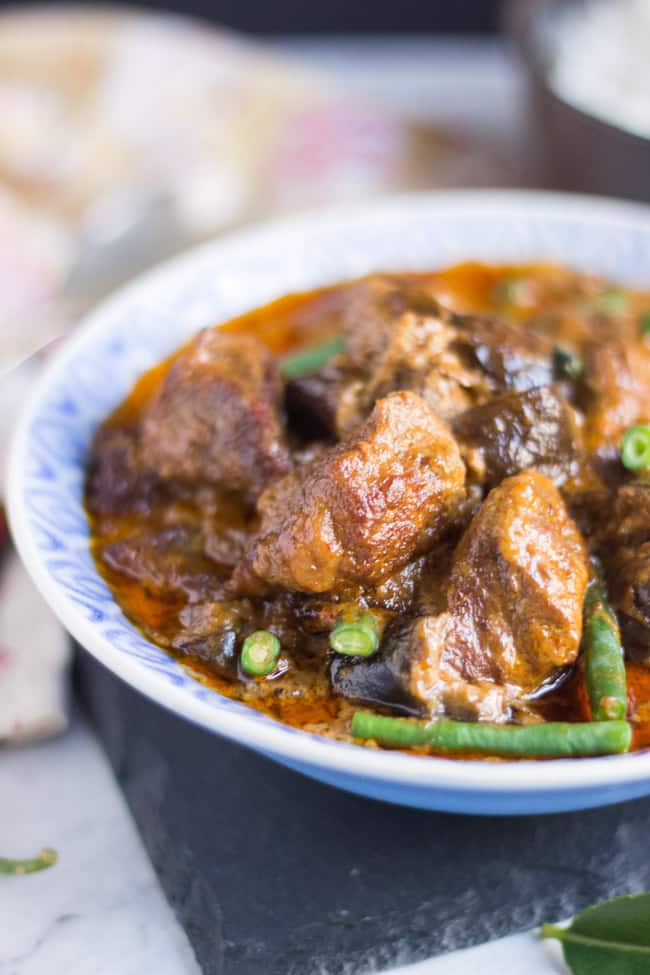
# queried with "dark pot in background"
point(578, 151)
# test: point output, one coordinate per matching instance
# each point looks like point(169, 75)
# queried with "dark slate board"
point(272, 874)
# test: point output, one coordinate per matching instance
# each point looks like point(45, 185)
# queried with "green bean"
point(645, 325)
point(612, 301)
point(311, 360)
point(507, 291)
point(260, 653)
point(16, 868)
point(566, 364)
point(603, 655)
point(635, 448)
point(551, 739)
point(357, 636)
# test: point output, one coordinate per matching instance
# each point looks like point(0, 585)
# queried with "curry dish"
point(422, 500)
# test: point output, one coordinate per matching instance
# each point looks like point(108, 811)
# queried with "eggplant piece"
point(409, 676)
point(508, 434)
point(385, 678)
point(311, 404)
point(512, 358)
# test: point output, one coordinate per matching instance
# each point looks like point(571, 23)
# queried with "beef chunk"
point(517, 587)
point(217, 417)
point(519, 430)
point(362, 509)
point(617, 377)
point(168, 560)
point(625, 550)
point(116, 483)
point(398, 337)
point(403, 339)
point(514, 617)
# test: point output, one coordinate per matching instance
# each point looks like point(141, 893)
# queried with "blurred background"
point(341, 17)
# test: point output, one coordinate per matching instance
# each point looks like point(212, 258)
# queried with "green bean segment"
point(17, 868)
point(645, 325)
point(603, 655)
point(356, 638)
point(552, 739)
point(260, 653)
point(612, 301)
point(311, 360)
point(635, 448)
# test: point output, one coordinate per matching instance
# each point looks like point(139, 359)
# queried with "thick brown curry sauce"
point(299, 692)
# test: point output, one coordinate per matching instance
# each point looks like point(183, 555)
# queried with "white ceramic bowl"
point(147, 320)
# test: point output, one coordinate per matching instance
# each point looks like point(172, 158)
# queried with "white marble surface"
point(521, 954)
point(100, 911)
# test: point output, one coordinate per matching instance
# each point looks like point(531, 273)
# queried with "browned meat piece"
point(170, 560)
point(519, 430)
point(517, 587)
point(116, 483)
point(514, 618)
point(403, 339)
point(361, 510)
point(625, 550)
point(213, 632)
point(217, 416)
point(617, 377)
point(398, 337)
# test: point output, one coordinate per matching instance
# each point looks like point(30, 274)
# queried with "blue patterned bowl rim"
point(144, 321)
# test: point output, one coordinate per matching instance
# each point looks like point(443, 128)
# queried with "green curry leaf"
point(612, 938)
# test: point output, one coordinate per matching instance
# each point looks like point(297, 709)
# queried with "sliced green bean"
point(553, 739)
point(635, 448)
point(612, 301)
point(357, 636)
point(311, 360)
point(17, 868)
point(603, 655)
point(260, 653)
point(645, 325)
point(508, 291)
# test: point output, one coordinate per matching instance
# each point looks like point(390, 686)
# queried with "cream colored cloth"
point(33, 646)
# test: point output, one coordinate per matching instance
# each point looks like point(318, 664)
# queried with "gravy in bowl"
point(404, 494)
